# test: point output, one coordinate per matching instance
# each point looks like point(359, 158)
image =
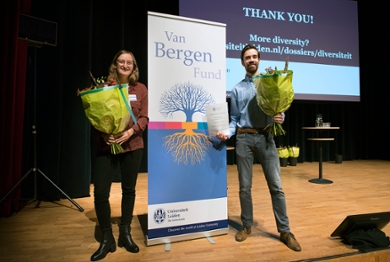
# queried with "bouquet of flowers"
point(107, 108)
point(283, 152)
point(275, 93)
point(293, 151)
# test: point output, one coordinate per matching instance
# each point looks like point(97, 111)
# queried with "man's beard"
point(251, 69)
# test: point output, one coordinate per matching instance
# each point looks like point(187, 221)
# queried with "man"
point(249, 121)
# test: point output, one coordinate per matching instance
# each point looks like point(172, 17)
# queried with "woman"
point(123, 70)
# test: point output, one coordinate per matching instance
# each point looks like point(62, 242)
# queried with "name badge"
point(132, 97)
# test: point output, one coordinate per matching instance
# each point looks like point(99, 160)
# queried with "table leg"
point(320, 180)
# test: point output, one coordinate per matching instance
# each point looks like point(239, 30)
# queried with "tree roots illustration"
point(187, 146)
point(190, 99)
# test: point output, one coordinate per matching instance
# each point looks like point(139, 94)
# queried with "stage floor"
point(58, 231)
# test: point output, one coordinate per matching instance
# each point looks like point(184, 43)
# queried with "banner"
point(187, 184)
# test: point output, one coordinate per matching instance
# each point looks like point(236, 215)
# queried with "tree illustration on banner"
point(186, 100)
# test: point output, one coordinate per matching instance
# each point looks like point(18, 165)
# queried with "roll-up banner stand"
point(187, 184)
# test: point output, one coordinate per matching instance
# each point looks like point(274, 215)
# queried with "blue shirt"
point(244, 110)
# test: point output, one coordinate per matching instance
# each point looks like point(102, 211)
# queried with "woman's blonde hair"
point(133, 77)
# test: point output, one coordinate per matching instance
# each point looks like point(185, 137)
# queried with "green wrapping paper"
point(293, 151)
point(283, 152)
point(107, 109)
point(275, 94)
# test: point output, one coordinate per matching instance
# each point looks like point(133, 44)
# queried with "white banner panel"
point(187, 188)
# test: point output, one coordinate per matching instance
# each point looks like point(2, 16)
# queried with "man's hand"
point(221, 136)
point(279, 118)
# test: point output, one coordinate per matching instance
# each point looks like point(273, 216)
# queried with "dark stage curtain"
point(89, 34)
point(12, 85)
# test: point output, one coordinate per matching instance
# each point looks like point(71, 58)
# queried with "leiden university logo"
point(159, 215)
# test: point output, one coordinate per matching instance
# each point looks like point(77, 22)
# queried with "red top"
point(140, 111)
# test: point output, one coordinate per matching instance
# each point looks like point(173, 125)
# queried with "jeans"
point(263, 147)
point(103, 171)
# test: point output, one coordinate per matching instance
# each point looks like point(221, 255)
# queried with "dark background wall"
point(91, 32)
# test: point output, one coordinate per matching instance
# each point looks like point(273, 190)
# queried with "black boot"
point(106, 245)
point(125, 240)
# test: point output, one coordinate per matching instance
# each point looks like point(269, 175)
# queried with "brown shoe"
point(290, 241)
point(243, 234)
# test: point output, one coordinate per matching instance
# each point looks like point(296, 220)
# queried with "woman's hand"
point(123, 136)
point(109, 139)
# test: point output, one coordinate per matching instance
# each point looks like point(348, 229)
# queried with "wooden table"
point(321, 180)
